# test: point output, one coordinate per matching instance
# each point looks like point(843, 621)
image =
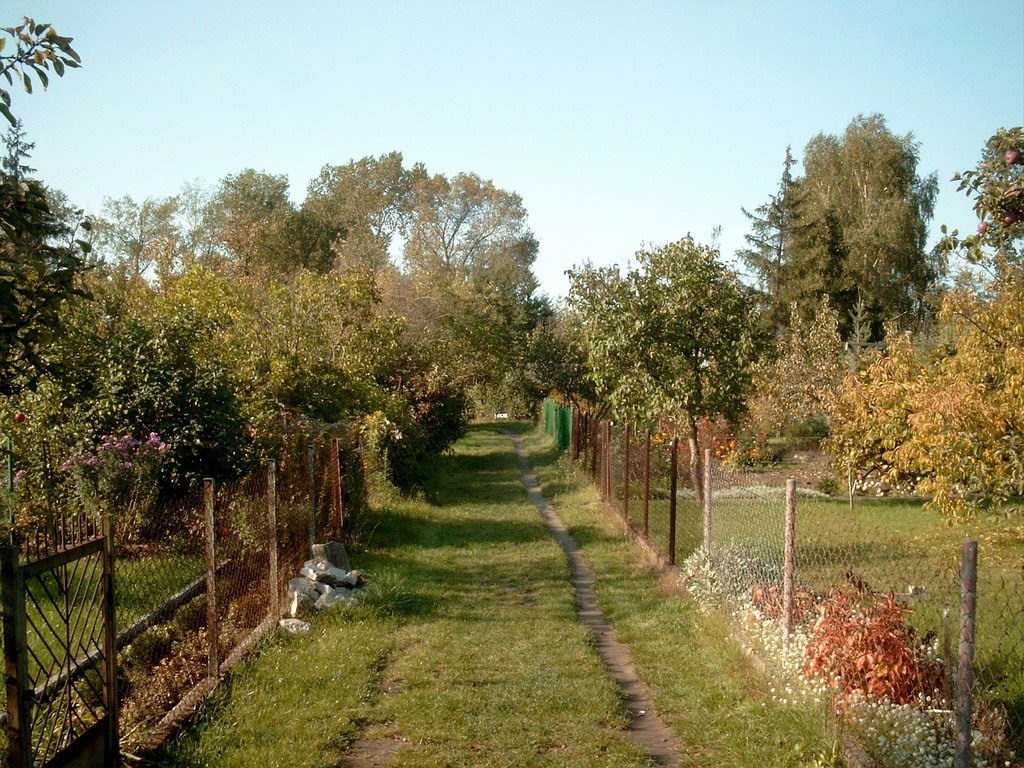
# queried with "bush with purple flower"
point(120, 476)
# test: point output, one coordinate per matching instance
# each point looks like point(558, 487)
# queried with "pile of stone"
point(326, 580)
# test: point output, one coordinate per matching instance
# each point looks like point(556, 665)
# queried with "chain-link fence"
point(862, 604)
point(204, 576)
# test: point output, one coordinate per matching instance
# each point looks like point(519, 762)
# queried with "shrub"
point(862, 645)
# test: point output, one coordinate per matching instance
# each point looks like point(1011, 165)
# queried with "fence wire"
point(887, 568)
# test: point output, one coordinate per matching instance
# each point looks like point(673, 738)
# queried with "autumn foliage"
point(862, 644)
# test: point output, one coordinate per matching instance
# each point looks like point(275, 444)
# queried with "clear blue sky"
point(620, 123)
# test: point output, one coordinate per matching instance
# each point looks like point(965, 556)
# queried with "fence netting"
point(172, 637)
point(869, 620)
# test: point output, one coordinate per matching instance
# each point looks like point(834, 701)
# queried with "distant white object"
point(295, 626)
point(501, 415)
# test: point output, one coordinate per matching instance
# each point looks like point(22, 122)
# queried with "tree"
point(997, 186)
point(669, 339)
point(41, 260)
point(469, 257)
point(355, 210)
point(861, 228)
point(253, 222)
point(38, 47)
point(18, 152)
point(139, 236)
point(768, 243)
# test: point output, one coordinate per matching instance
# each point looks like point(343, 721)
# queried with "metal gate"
point(59, 650)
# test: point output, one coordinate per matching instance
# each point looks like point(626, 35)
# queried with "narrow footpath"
point(645, 727)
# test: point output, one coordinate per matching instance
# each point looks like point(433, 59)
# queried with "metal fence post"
point(647, 482)
point(110, 698)
point(212, 633)
point(275, 592)
point(965, 671)
point(311, 470)
point(673, 480)
point(19, 734)
point(336, 483)
point(790, 561)
point(610, 495)
point(625, 473)
point(707, 499)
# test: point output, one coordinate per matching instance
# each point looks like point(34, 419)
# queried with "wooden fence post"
point(212, 631)
point(608, 461)
point(965, 671)
point(789, 562)
point(647, 482)
point(707, 499)
point(19, 724)
point(673, 472)
point(311, 471)
point(110, 701)
point(336, 483)
point(625, 473)
point(275, 592)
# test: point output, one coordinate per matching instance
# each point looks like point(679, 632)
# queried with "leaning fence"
point(874, 606)
point(191, 601)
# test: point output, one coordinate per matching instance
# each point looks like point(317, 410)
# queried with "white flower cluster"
point(914, 735)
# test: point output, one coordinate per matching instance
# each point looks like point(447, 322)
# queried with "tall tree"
point(771, 231)
point(253, 222)
point(355, 210)
point(41, 260)
point(861, 229)
point(669, 339)
point(470, 256)
point(138, 236)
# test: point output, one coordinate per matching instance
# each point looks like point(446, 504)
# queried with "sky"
point(620, 124)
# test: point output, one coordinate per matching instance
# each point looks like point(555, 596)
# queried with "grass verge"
point(467, 651)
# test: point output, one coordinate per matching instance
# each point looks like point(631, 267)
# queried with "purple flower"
point(19, 476)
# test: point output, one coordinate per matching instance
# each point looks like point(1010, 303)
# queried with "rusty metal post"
point(625, 473)
point(311, 471)
point(275, 591)
point(965, 671)
point(789, 562)
point(336, 483)
point(19, 724)
point(112, 746)
point(647, 482)
point(608, 461)
point(673, 481)
point(212, 630)
point(707, 499)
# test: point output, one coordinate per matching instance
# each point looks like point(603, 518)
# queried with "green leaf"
point(28, 83)
point(6, 112)
point(3, 43)
point(42, 77)
point(58, 67)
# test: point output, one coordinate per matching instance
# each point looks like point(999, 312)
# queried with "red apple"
point(19, 417)
point(983, 228)
point(1012, 157)
point(1010, 219)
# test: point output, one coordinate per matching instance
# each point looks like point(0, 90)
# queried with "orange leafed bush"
point(863, 645)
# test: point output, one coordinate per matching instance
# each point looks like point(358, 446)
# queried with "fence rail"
point(191, 603)
point(785, 560)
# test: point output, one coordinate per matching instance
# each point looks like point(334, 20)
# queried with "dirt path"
point(645, 727)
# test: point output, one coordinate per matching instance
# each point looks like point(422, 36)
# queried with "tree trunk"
point(696, 463)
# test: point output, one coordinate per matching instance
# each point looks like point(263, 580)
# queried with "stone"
point(332, 598)
point(295, 626)
point(304, 586)
point(334, 553)
point(300, 600)
point(334, 577)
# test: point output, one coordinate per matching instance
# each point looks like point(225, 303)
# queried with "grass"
point(893, 545)
point(467, 650)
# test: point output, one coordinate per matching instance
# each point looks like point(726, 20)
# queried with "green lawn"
point(467, 650)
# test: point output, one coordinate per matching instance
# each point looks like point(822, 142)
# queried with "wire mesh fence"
point(207, 577)
point(860, 605)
